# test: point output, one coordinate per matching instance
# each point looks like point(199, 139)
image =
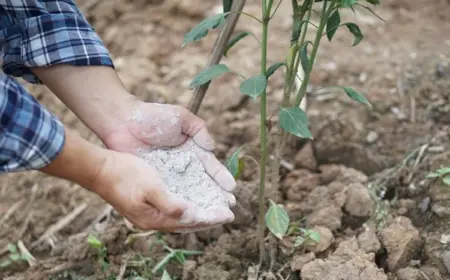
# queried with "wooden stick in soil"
point(217, 52)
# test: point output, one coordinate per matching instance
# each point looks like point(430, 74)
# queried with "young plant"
point(102, 255)
point(300, 58)
point(441, 173)
point(14, 256)
point(173, 254)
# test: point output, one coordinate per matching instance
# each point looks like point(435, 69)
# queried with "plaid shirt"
point(34, 34)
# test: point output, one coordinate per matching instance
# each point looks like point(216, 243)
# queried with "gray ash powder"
point(184, 174)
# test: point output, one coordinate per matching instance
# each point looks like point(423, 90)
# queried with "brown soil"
point(403, 66)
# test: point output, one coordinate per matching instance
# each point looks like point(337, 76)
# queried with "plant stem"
point(324, 17)
point(266, 7)
point(298, 13)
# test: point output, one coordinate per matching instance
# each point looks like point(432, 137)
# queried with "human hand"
point(137, 192)
point(152, 125)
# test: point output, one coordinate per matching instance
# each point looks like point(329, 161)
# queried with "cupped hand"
point(138, 193)
point(152, 125)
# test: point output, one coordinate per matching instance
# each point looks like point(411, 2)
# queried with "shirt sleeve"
point(44, 33)
point(30, 136)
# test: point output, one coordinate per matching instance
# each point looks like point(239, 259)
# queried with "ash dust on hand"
point(184, 175)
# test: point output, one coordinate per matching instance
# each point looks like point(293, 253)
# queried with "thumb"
point(166, 202)
point(195, 127)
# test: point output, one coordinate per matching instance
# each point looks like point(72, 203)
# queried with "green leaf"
point(94, 242)
point(254, 86)
point(443, 171)
point(191, 253)
point(446, 180)
point(314, 236)
point(347, 3)
point(227, 5)
point(374, 2)
point(354, 29)
point(432, 175)
point(14, 257)
point(294, 121)
point(277, 219)
point(180, 256)
point(166, 275)
point(353, 94)
point(274, 67)
point(234, 40)
point(162, 263)
point(12, 248)
point(202, 29)
point(5, 263)
point(232, 163)
point(208, 74)
point(299, 240)
point(333, 24)
point(304, 60)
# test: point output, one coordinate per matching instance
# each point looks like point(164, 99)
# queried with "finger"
point(195, 127)
point(169, 204)
point(195, 229)
point(216, 170)
point(194, 217)
point(230, 198)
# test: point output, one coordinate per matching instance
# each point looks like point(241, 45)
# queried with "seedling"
point(14, 256)
point(441, 173)
point(307, 237)
point(299, 61)
point(102, 255)
point(178, 255)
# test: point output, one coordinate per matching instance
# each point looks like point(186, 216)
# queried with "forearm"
point(79, 161)
point(94, 93)
point(55, 44)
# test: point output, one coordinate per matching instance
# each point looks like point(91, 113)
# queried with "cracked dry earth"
point(360, 183)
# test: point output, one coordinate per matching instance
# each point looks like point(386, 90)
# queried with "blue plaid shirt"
point(37, 34)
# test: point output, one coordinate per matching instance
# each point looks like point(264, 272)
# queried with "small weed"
point(303, 237)
point(178, 255)
point(102, 255)
point(14, 256)
point(442, 173)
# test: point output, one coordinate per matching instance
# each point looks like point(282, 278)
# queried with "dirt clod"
point(299, 261)
point(326, 239)
point(368, 241)
point(347, 262)
point(329, 217)
point(409, 273)
point(402, 242)
point(305, 158)
point(189, 267)
point(359, 202)
point(446, 260)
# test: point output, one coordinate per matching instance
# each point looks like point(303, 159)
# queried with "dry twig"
point(59, 225)
point(217, 52)
point(11, 211)
point(30, 258)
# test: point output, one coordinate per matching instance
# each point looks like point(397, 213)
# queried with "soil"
point(360, 182)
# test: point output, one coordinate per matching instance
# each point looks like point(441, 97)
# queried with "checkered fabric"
point(38, 34)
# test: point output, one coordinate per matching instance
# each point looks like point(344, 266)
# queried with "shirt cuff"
point(30, 136)
point(51, 39)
